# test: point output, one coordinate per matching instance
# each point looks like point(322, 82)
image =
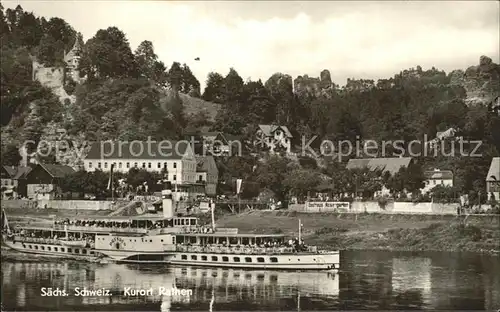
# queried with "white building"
point(493, 179)
point(437, 177)
point(273, 136)
point(176, 157)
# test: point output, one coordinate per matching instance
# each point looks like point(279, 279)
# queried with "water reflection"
point(369, 280)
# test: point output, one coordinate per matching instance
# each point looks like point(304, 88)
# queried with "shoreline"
point(357, 232)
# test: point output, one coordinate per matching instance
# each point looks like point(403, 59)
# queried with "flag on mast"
point(5, 222)
point(110, 180)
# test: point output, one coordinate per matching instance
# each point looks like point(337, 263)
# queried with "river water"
point(368, 280)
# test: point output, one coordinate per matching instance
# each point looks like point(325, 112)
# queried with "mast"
point(5, 222)
point(300, 231)
point(212, 208)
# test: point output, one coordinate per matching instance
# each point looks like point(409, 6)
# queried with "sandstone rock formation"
point(322, 86)
point(481, 82)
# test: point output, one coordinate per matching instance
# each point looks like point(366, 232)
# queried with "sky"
point(356, 39)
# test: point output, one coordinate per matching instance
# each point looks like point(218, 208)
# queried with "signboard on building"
point(227, 231)
point(328, 206)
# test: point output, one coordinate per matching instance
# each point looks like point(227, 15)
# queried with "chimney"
point(166, 195)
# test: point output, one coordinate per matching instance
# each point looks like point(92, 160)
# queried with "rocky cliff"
point(322, 86)
point(481, 82)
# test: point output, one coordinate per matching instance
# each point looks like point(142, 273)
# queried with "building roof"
point(57, 171)
point(11, 170)
point(391, 165)
point(17, 172)
point(269, 129)
point(139, 150)
point(202, 163)
point(438, 174)
point(494, 172)
point(22, 171)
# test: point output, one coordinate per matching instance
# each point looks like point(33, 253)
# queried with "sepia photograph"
point(250, 155)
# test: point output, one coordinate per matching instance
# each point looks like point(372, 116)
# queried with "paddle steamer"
point(167, 239)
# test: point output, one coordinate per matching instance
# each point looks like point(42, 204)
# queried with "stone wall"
point(389, 208)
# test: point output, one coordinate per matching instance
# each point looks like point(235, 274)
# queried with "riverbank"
point(377, 231)
point(475, 233)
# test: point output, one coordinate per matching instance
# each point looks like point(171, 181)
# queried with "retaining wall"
point(389, 208)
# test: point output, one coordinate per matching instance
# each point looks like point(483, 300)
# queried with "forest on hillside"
point(129, 95)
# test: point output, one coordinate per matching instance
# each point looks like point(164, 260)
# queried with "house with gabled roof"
point(44, 180)
point(207, 173)
point(13, 181)
point(437, 177)
point(390, 165)
point(493, 179)
point(273, 137)
point(175, 158)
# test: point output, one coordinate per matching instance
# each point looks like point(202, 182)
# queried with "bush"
point(382, 201)
point(70, 86)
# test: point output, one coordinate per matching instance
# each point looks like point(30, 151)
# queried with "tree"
point(444, 194)
point(137, 177)
point(214, 90)
point(10, 155)
point(148, 64)
point(300, 181)
point(233, 88)
point(272, 174)
point(175, 74)
point(108, 55)
point(190, 85)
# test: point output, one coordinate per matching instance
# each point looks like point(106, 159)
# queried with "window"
point(119, 165)
point(159, 165)
point(184, 257)
point(30, 246)
point(200, 177)
point(135, 165)
point(55, 249)
point(62, 249)
point(274, 259)
point(149, 165)
point(434, 182)
point(128, 165)
point(225, 259)
point(77, 251)
point(214, 258)
point(69, 249)
point(144, 165)
point(260, 259)
point(175, 177)
point(193, 221)
point(175, 165)
point(98, 165)
point(164, 165)
point(36, 247)
point(49, 249)
point(105, 165)
point(43, 247)
point(90, 164)
point(193, 257)
point(236, 259)
point(84, 251)
point(204, 258)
